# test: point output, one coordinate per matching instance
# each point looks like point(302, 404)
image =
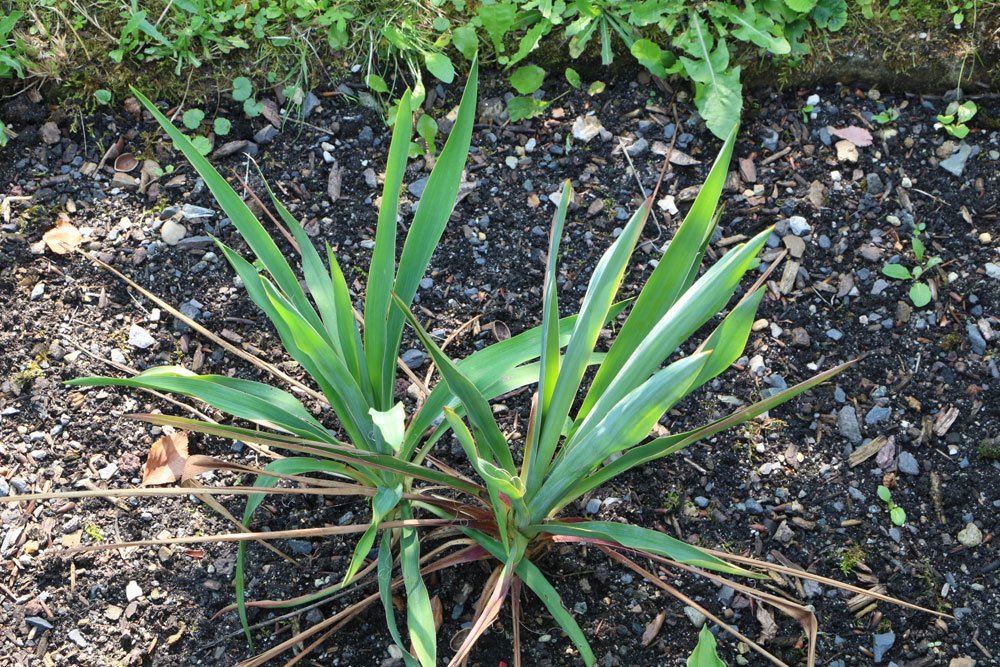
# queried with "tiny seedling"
point(896, 513)
point(920, 291)
point(890, 115)
point(102, 96)
point(955, 117)
point(807, 112)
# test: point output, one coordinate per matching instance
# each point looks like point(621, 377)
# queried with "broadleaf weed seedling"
point(920, 291)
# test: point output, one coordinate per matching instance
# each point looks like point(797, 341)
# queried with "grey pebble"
point(908, 464)
point(848, 425)
point(877, 415)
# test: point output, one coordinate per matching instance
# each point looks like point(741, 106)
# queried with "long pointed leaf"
point(436, 204)
point(382, 270)
point(604, 283)
point(671, 277)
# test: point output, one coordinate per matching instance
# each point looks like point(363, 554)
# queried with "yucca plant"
point(579, 436)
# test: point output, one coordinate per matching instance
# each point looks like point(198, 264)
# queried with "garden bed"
point(783, 487)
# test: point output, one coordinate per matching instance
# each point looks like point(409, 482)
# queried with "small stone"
point(798, 225)
point(414, 358)
point(753, 506)
point(955, 164)
point(37, 291)
point(992, 270)
point(834, 334)
point(593, 506)
point(50, 133)
point(639, 148)
point(192, 212)
point(877, 415)
point(970, 536)
point(416, 188)
point(113, 612)
point(846, 151)
point(77, 638)
point(132, 591)
point(140, 338)
point(784, 533)
point(962, 662)
point(908, 464)
point(796, 246)
point(882, 643)
point(696, 617)
point(701, 501)
point(395, 652)
point(123, 180)
point(800, 337)
point(976, 339)
point(265, 135)
point(848, 425)
point(301, 547)
point(172, 232)
point(586, 128)
point(875, 185)
point(38, 622)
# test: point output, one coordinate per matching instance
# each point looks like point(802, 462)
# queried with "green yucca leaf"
point(642, 539)
point(419, 614)
point(695, 307)
point(382, 271)
point(476, 406)
point(496, 369)
point(606, 278)
point(667, 445)
point(621, 427)
point(436, 204)
point(385, 593)
point(245, 399)
point(675, 272)
point(237, 211)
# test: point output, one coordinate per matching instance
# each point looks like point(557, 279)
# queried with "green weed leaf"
point(102, 96)
point(573, 77)
point(920, 294)
point(524, 108)
point(897, 271)
point(465, 40)
point(440, 66)
point(192, 118)
point(222, 126)
point(527, 79)
point(242, 88)
point(376, 83)
point(705, 654)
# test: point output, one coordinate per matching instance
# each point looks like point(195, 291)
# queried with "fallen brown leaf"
point(63, 238)
point(333, 182)
point(858, 136)
point(768, 627)
point(166, 459)
point(653, 628)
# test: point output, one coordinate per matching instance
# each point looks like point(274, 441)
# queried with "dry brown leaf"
point(768, 628)
point(858, 136)
point(63, 238)
point(333, 182)
point(682, 159)
point(653, 628)
point(166, 459)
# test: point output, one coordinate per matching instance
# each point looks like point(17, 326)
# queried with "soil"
point(780, 488)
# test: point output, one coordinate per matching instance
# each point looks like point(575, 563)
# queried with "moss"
point(989, 451)
point(951, 341)
point(850, 558)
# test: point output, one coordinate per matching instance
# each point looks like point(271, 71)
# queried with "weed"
point(850, 558)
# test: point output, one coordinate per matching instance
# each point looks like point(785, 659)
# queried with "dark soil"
point(778, 488)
